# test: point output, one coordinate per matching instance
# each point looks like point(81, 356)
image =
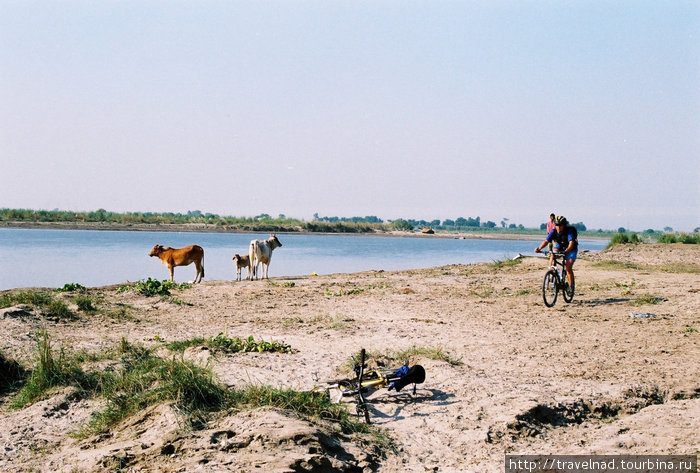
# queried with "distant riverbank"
point(212, 228)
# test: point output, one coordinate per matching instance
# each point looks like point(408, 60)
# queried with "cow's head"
point(158, 249)
point(274, 242)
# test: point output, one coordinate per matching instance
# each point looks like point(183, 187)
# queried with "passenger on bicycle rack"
point(564, 236)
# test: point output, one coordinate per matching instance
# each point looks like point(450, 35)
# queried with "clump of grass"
point(31, 297)
point(145, 380)
point(433, 353)
point(51, 369)
point(51, 308)
point(394, 359)
point(505, 263)
point(612, 264)
point(648, 299)
point(344, 292)
point(58, 310)
point(85, 303)
point(154, 287)
point(306, 404)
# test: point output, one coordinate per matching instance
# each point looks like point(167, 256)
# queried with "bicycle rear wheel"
point(550, 288)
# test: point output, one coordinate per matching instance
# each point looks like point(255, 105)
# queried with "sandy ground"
point(579, 378)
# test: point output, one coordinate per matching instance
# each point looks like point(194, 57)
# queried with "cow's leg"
point(172, 272)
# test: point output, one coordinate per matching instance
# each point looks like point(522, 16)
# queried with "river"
point(52, 258)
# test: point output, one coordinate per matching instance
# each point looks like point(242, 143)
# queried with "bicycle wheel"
point(568, 291)
point(550, 288)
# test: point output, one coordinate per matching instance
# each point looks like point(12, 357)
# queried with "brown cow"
point(242, 261)
point(172, 257)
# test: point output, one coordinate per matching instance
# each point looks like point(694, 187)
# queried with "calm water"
point(52, 258)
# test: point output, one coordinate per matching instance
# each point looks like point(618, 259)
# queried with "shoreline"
point(207, 228)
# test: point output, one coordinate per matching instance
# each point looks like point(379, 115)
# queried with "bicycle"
point(556, 280)
point(367, 382)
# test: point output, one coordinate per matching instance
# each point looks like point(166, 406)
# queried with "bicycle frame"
point(554, 281)
point(367, 382)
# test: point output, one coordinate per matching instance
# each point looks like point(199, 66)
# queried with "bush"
point(85, 303)
point(689, 239)
point(71, 287)
point(623, 238)
point(668, 238)
point(57, 309)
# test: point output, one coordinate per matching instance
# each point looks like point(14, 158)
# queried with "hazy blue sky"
point(399, 109)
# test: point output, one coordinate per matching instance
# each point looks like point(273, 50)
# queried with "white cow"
point(261, 252)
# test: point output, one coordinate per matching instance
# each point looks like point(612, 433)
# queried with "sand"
point(582, 378)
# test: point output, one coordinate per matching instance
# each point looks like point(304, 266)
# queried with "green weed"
point(224, 343)
point(153, 287)
point(71, 287)
point(648, 299)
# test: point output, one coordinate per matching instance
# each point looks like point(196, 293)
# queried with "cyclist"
point(565, 238)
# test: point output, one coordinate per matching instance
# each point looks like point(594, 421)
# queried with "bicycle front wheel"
point(568, 291)
point(550, 288)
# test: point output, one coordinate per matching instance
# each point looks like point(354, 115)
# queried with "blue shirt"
point(569, 234)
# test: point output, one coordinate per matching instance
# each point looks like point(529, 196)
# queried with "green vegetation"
point(30, 296)
point(648, 299)
point(71, 287)
point(144, 380)
point(153, 287)
point(623, 238)
point(505, 263)
point(687, 238)
point(52, 370)
point(409, 356)
point(85, 303)
point(224, 343)
point(50, 307)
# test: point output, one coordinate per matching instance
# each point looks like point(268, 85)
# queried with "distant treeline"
point(262, 222)
point(281, 223)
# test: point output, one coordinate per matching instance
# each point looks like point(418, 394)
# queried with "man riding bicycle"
point(565, 238)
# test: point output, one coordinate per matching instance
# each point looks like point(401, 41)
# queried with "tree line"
point(261, 222)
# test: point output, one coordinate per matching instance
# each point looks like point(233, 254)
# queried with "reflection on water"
point(52, 258)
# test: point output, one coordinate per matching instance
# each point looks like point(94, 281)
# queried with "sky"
point(396, 109)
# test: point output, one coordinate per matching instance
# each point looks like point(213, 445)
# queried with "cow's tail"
point(202, 265)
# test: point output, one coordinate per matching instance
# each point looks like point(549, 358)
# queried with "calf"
point(172, 257)
point(261, 252)
point(241, 262)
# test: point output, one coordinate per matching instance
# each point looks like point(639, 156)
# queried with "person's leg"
point(570, 272)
